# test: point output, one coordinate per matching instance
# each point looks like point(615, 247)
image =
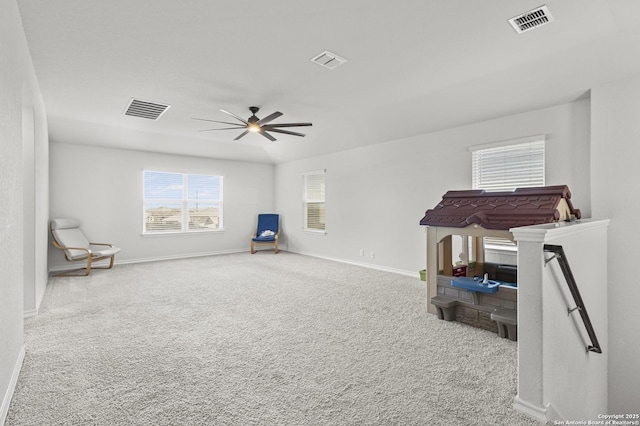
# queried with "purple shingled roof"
point(500, 210)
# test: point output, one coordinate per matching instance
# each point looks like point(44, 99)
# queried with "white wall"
point(19, 93)
point(615, 145)
point(103, 188)
point(377, 195)
point(558, 379)
point(35, 154)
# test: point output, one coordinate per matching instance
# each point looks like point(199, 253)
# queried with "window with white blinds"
point(314, 200)
point(177, 202)
point(505, 166)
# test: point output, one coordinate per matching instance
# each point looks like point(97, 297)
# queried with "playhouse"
point(478, 289)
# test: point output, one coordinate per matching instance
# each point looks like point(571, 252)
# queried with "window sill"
point(501, 249)
point(315, 231)
point(166, 234)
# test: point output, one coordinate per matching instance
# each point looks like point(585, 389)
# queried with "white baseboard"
point(71, 267)
point(414, 274)
point(538, 413)
point(30, 313)
point(180, 256)
point(6, 400)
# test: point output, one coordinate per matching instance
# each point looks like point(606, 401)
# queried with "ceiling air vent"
point(532, 19)
point(328, 60)
point(145, 109)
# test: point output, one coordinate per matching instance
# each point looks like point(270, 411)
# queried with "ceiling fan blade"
point(216, 121)
point(223, 128)
point(270, 117)
point(241, 135)
point(267, 135)
point(288, 125)
point(235, 116)
point(286, 132)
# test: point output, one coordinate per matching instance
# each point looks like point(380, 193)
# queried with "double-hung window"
point(505, 166)
point(314, 200)
point(178, 202)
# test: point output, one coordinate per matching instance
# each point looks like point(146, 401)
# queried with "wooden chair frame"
point(90, 258)
point(274, 243)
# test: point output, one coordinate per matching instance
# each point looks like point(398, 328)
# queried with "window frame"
point(508, 149)
point(306, 201)
point(537, 146)
point(184, 203)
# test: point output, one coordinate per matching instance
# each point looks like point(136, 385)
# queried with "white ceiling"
point(414, 66)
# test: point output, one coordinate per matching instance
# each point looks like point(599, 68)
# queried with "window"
point(176, 202)
point(505, 166)
point(313, 200)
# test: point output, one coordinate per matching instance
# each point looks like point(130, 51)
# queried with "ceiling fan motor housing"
point(253, 120)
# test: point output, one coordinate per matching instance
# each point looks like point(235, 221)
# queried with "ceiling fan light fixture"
point(262, 126)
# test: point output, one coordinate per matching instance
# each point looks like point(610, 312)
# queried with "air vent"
point(328, 60)
point(145, 109)
point(532, 19)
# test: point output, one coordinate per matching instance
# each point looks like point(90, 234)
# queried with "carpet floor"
point(258, 339)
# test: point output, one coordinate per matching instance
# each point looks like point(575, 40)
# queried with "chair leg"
point(111, 263)
point(85, 271)
point(253, 247)
point(276, 246)
point(82, 274)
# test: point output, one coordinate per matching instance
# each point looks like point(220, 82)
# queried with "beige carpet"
point(258, 339)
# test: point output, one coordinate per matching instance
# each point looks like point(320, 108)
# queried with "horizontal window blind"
point(314, 201)
point(506, 166)
point(177, 202)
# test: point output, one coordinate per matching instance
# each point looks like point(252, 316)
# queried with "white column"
point(557, 378)
point(530, 398)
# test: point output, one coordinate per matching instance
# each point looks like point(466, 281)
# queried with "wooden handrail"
point(573, 287)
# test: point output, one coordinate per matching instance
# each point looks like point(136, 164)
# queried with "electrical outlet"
point(373, 255)
point(361, 252)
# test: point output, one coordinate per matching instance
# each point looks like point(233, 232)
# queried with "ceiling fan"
point(257, 125)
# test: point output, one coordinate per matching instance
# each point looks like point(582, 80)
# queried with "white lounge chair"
point(67, 236)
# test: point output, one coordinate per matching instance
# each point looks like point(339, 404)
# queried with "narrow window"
point(314, 201)
point(178, 202)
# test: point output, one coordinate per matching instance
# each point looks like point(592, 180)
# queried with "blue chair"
point(267, 232)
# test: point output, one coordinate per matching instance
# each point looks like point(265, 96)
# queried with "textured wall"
point(377, 195)
point(12, 47)
point(103, 188)
point(614, 177)
point(24, 196)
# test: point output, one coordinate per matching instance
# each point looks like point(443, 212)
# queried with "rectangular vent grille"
point(532, 19)
point(328, 60)
point(145, 109)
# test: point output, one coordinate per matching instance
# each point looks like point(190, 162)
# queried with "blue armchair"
point(267, 232)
